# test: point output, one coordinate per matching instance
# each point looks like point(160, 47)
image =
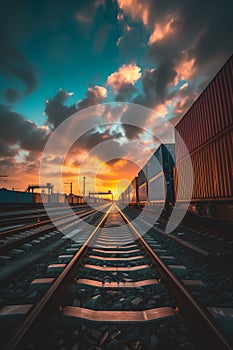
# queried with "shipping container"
point(126, 195)
point(8, 196)
point(142, 175)
point(209, 116)
point(212, 174)
point(207, 130)
point(142, 192)
point(133, 191)
point(57, 198)
point(157, 189)
point(212, 170)
point(162, 161)
point(155, 164)
point(39, 198)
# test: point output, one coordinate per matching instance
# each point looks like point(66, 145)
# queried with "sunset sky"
point(59, 57)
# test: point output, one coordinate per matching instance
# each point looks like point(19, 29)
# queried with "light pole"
point(84, 185)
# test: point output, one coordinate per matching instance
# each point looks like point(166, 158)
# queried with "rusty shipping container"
point(207, 129)
point(210, 115)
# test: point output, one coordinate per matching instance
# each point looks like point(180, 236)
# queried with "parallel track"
point(31, 232)
point(118, 251)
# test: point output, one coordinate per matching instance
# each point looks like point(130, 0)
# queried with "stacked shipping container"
point(160, 174)
point(207, 130)
point(154, 183)
point(17, 197)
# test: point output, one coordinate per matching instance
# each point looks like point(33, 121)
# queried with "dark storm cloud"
point(14, 65)
point(6, 151)
point(131, 115)
point(95, 137)
point(125, 93)
point(15, 130)
point(55, 109)
point(198, 30)
point(155, 82)
point(11, 95)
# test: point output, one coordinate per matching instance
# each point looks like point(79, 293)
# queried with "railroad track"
point(103, 293)
point(14, 238)
point(214, 248)
point(17, 219)
point(16, 227)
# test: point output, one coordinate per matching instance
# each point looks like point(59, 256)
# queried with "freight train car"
point(130, 195)
point(74, 199)
point(133, 192)
point(157, 183)
point(57, 198)
point(29, 198)
point(154, 184)
point(143, 185)
point(15, 197)
point(207, 130)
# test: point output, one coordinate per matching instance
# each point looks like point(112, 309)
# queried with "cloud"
point(15, 130)
point(14, 66)
point(137, 9)
point(21, 144)
point(132, 43)
point(87, 10)
point(126, 75)
point(155, 83)
point(11, 95)
point(123, 80)
point(7, 151)
point(161, 31)
point(55, 109)
point(94, 95)
point(185, 69)
point(186, 41)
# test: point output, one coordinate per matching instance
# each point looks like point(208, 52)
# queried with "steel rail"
point(198, 313)
point(13, 244)
point(23, 332)
point(38, 224)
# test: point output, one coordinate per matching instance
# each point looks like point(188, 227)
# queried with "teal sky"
point(74, 54)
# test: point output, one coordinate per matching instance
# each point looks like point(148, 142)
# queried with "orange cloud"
point(125, 75)
point(161, 110)
point(135, 9)
point(161, 31)
point(184, 69)
point(99, 91)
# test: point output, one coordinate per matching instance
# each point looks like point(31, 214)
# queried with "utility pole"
point(84, 185)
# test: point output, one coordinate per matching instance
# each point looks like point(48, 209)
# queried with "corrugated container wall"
point(142, 192)
point(134, 190)
point(154, 165)
point(142, 175)
point(212, 170)
point(210, 115)
point(157, 189)
point(163, 160)
point(8, 196)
